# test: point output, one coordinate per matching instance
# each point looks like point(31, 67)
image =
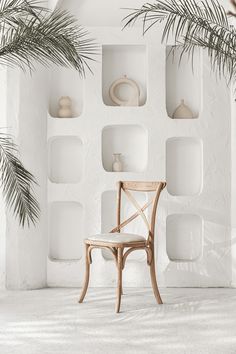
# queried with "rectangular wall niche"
point(66, 231)
point(184, 166)
point(65, 82)
point(129, 140)
point(109, 219)
point(184, 237)
point(65, 159)
point(183, 81)
point(120, 60)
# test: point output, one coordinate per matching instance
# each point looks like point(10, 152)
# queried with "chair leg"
point(122, 292)
point(119, 279)
point(87, 271)
point(154, 281)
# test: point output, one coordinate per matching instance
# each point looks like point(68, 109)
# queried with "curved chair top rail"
point(141, 186)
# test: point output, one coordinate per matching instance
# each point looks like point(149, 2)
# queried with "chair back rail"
point(141, 186)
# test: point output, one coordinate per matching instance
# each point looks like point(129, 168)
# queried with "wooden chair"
point(122, 244)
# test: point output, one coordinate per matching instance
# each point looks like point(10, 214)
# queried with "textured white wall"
point(106, 12)
point(3, 123)
point(213, 204)
point(27, 248)
point(233, 189)
point(100, 13)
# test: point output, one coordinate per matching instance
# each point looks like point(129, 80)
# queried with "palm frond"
point(17, 183)
point(12, 9)
point(32, 33)
point(194, 24)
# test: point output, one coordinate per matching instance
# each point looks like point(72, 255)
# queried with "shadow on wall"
point(214, 269)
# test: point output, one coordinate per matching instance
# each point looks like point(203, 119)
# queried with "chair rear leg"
point(119, 279)
point(154, 281)
point(87, 272)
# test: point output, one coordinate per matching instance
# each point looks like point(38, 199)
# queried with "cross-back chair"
point(122, 244)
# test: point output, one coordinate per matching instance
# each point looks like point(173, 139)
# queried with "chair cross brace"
point(139, 212)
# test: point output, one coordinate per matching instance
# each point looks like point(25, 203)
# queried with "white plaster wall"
point(100, 13)
point(26, 248)
point(52, 4)
point(233, 187)
point(212, 204)
point(3, 123)
point(233, 178)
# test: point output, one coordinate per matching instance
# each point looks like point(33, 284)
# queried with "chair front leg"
point(87, 271)
point(153, 279)
point(119, 278)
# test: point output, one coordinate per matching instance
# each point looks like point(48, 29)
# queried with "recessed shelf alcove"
point(184, 237)
point(108, 219)
point(129, 140)
point(183, 80)
point(65, 82)
point(184, 166)
point(66, 231)
point(120, 60)
point(65, 159)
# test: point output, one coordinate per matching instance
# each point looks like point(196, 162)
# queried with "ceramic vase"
point(132, 100)
point(182, 112)
point(65, 110)
point(117, 164)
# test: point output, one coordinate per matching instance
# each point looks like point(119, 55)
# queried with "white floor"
point(47, 321)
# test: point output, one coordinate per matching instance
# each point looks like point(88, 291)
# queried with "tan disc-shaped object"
point(133, 99)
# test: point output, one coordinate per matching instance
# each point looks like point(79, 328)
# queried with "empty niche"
point(65, 159)
point(109, 221)
point(66, 231)
point(184, 166)
point(131, 141)
point(66, 82)
point(184, 237)
point(119, 61)
point(183, 82)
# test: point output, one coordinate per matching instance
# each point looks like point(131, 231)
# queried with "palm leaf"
point(17, 183)
point(194, 24)
point(12, 9)
point(31, 33)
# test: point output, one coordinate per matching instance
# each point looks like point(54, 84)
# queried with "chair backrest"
point(139, 186)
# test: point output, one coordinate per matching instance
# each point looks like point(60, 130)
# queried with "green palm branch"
point(17, 183)
point(193, 24)
point(30, 33)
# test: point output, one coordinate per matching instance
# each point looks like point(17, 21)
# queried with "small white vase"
point(182, 112)
point(65, 110)
point(117, 164)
